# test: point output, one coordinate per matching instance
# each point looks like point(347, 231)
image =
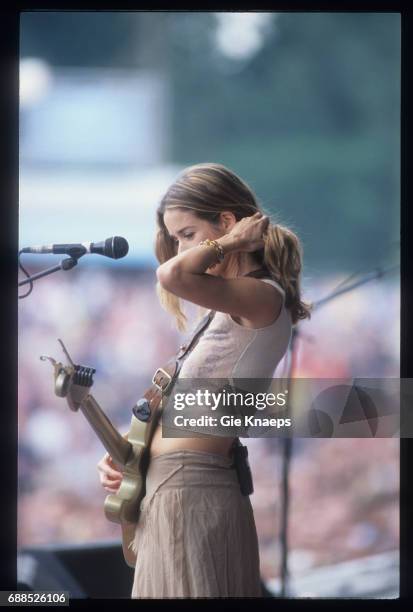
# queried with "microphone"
point(115, 248)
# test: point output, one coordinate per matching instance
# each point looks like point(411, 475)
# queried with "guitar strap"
point(148, 409)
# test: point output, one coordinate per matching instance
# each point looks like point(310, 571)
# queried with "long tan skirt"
point(196, 536)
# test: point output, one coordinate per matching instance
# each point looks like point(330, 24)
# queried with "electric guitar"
point(131, 451)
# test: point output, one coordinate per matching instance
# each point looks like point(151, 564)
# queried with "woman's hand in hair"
point(248, 232)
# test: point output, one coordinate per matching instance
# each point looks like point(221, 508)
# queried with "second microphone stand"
point(288, 440)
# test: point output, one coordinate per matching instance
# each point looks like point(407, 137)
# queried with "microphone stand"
point(287, 442)
point(65, 264)
point(75, 252)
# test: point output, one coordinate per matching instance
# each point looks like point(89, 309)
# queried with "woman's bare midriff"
point(211, 444)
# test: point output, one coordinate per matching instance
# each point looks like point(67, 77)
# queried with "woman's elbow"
point(168, 276)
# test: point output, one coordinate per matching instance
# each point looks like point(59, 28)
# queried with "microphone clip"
point(76, 251)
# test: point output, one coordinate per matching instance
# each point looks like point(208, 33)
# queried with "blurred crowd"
point(344, 492)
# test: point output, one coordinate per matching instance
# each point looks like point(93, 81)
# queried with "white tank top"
point(229, 350)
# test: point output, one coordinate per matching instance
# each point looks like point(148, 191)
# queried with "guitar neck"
point(118, 448)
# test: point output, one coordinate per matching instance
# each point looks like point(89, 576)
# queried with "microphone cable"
point(27, 275)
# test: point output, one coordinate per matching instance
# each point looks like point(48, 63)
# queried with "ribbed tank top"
point(229, 350)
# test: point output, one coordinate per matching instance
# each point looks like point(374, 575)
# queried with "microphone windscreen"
point(116, 247)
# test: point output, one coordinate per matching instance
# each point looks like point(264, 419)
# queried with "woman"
point(196, 536)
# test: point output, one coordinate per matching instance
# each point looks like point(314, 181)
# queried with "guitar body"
point(124, 505)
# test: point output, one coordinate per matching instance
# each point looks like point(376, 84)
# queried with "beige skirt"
point(196, 536)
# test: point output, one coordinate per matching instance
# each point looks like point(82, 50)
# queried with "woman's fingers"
point(111, 489)
point(105, 469)
point(110, 478)
point(262, 222)
point(107, 482)
point(259, 216)
point(110, 484)
point(109, 460)
point(104, 466)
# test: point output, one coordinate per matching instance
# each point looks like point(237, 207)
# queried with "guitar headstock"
point(71, 381)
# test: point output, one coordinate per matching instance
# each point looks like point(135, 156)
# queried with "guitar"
point(131, 451)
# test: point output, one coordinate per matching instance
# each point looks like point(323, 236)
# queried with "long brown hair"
point(209, 189)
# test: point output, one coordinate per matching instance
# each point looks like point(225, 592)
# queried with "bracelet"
point(218, 249)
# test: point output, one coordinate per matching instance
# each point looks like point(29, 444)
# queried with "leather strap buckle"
point(164, 376)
